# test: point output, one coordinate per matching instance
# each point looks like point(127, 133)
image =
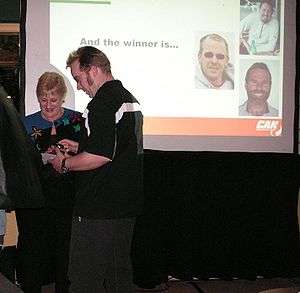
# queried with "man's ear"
point(94, 70)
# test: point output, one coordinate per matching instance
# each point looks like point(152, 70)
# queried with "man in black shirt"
point(108, 162)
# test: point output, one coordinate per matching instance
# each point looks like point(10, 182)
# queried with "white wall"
point(39, 52)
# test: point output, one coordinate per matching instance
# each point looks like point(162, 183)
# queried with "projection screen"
point(186, 63)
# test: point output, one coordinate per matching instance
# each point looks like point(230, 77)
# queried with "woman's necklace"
point(53, 129)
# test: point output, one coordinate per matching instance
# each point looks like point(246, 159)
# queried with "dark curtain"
point(214, 214)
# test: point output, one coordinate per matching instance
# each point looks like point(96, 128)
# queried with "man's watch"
point(64, 169)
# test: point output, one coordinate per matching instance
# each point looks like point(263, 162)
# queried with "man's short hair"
point(214, 37)
point(88, 56)
point(259, 65)
point(269, 2)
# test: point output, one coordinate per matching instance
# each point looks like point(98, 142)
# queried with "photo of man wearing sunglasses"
point(214, 70)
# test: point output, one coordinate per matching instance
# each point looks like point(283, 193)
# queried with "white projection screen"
point(153, 47)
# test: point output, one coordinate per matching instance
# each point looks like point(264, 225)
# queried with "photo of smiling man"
point(258, 86)
point(214, 70)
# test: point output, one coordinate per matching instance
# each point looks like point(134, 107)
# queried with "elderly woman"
point(44, 234)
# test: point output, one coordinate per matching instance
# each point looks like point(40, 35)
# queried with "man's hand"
point(70, 146)
point(57, 161)
point(245, 35)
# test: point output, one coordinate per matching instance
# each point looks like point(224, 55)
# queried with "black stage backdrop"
point(215, 214)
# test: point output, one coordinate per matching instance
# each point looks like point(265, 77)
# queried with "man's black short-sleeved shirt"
point(114, 130)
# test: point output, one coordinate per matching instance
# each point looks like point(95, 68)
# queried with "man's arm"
point(85, 161)
point(81, 162)
point(246, 23)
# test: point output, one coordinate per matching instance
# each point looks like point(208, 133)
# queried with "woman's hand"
point(70, 146)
